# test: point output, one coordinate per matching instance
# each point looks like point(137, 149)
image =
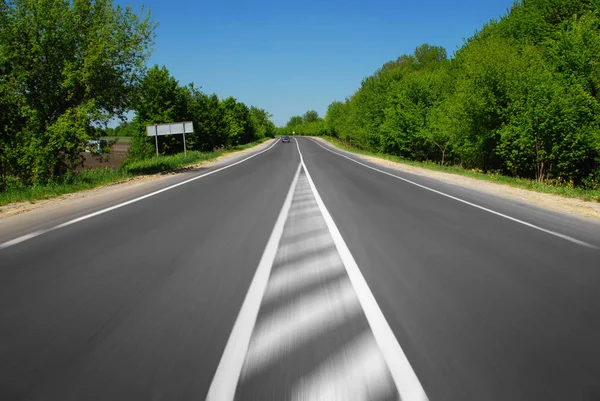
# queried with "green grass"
point(95, 177)
point(83, 180)
point(118, 139)
point(585, 194)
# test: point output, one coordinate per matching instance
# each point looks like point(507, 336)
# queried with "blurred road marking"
point(34, 234)
point(226, 377)
point(292, 278)
point(357, 373)
point(559, 235)
point(406, 380)
point(296, 323)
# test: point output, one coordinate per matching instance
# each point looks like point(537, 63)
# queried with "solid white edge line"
point(559, 235)
point(224, 383)
point(407, 383)
point(34, 234)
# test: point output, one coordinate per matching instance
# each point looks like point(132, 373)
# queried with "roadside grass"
point(569, 192)
point(83, 180)
point(95, 177)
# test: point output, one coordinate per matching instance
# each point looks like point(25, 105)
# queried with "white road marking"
point(406, 380)
point(317, 244)
point(554, 233)
point(298, 322)
point(357, 373)
point(308, 210)
point(129, 202)
point(227, 375)
point(290, 278)
point(321, 233)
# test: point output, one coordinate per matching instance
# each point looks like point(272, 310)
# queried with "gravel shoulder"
point(552, 202)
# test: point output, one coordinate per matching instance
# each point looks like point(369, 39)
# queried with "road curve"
point(142, 302)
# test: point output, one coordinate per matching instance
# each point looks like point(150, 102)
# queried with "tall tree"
point(310, 116)
point(427, 55)
point(294, 121)
point(160, 100)
point(74, 64)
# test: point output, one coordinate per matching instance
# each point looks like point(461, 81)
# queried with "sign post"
point(184, 151)
point(156, 140)
point(186, 127)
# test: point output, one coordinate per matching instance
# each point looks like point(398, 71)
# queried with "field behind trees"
point(520, 98)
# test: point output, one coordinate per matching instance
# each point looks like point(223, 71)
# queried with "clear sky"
point(290, 57)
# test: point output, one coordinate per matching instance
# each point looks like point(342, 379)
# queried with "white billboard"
point(170, 129)
point(186, 127)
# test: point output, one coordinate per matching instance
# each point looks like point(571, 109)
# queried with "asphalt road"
point(140, 303)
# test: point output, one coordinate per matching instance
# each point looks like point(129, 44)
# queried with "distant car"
point(285, 139)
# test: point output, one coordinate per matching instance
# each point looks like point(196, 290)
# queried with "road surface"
point(299, 272)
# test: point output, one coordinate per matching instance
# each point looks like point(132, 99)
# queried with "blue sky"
point(290, 57)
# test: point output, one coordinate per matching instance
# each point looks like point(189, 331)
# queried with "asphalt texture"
point(138, 303)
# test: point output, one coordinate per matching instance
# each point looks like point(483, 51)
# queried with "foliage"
point(569, 192)
point(68, 67)
point(94, 177)
point(310, 116)
point(520, 98)
point(65, 67)
point(217, 123)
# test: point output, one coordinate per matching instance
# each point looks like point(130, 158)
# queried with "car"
point(285, 139)
point(96, 146)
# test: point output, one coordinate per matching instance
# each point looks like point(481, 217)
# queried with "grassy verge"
point(585, 194)
point(96, 177)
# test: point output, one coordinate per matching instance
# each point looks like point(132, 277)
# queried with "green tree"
point(160, 100)
point(310, 116)
point(238, 123)
point(72, 65)
point(294, 121)
point(262, 123)
point(426, 55)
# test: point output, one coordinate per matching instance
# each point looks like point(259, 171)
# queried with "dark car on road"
point(285, 139)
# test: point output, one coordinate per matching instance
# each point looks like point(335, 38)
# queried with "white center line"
point(357, 373)
point(405, 378)
point(288, 279)
point(297, 323)
point(559, 235)
point(228, 372)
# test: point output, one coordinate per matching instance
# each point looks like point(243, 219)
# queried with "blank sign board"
point(170, 129)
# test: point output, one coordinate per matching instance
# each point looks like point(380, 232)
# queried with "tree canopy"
point(68, 67)
point(217, 122)
point(521, 97)
point(65, 66)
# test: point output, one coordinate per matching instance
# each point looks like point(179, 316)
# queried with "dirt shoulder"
point(131, 184)
point(548, 201)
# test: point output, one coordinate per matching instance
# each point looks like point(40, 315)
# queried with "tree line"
point(521, 98)
point(218, 123)
point(68, 67)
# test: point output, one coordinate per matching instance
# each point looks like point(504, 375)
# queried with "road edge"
point(574, 207)
point(37, 233)
point(21, 207)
